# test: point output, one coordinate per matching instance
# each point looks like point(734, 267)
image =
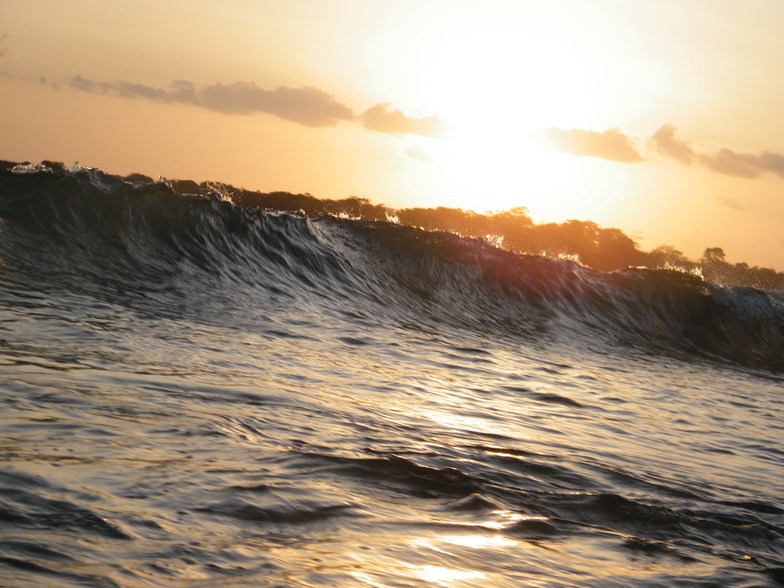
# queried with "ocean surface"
point(197, 394)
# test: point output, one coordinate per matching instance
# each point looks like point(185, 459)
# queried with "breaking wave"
point(87, 230)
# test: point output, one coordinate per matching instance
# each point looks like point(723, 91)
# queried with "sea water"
point(197, 394)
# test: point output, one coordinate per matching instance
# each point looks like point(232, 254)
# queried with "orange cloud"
point(610, 144)
point(385, 120)
point(724, 161)
point(307, 106)
point(744, 165)
point(664, 142)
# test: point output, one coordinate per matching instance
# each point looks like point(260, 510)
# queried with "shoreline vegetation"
point(604, 249)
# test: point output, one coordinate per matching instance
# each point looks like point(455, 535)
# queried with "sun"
point(497, 82)
point(489, 169)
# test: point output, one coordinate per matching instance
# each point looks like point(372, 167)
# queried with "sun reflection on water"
point(507, 518)
point(445, 576)
point(472, 541)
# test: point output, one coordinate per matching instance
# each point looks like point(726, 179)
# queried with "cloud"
point(3, 50)
point(385, 120)
point(307, 106)
point(664, 142)
point(610, 144)
point(744, 165)
point(85, 85)
point(178, 92)
point(724, 161)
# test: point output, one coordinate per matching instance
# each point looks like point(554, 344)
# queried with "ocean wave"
point(144, 245)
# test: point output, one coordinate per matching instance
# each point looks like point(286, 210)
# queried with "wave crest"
point(145, 244)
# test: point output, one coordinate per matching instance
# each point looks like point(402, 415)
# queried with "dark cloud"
point(610, 144)
point(744, 165)
point(44, 82)
point(385, 120)
point(178, 92)
point(724, 161)
point(85, 85)
point(664, 142)
point(306, 106)
point(3, 50)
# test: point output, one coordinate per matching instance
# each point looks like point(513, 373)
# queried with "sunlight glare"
point(478, 541)
point(496, 86)
point(445, 576)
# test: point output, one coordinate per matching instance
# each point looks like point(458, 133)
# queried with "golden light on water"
point(445, 576)
point(472, 541)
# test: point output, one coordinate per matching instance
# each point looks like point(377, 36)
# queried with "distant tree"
point(666, 256)
point(581, 238)
point(546, 239)
point(615, 250)
point(513, 227)
point(713, 254)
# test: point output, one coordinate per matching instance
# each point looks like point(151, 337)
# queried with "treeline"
point(600, 248)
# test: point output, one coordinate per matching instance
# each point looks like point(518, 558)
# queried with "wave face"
point(202, 392)
point(146, 240)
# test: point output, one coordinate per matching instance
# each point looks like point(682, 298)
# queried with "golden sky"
point(660, 118)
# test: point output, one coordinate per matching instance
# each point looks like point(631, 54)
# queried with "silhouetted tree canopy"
point(713, 254)
point(597, 247)
point(604, 249)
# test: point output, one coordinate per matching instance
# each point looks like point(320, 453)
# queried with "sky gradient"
point(659, 118)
